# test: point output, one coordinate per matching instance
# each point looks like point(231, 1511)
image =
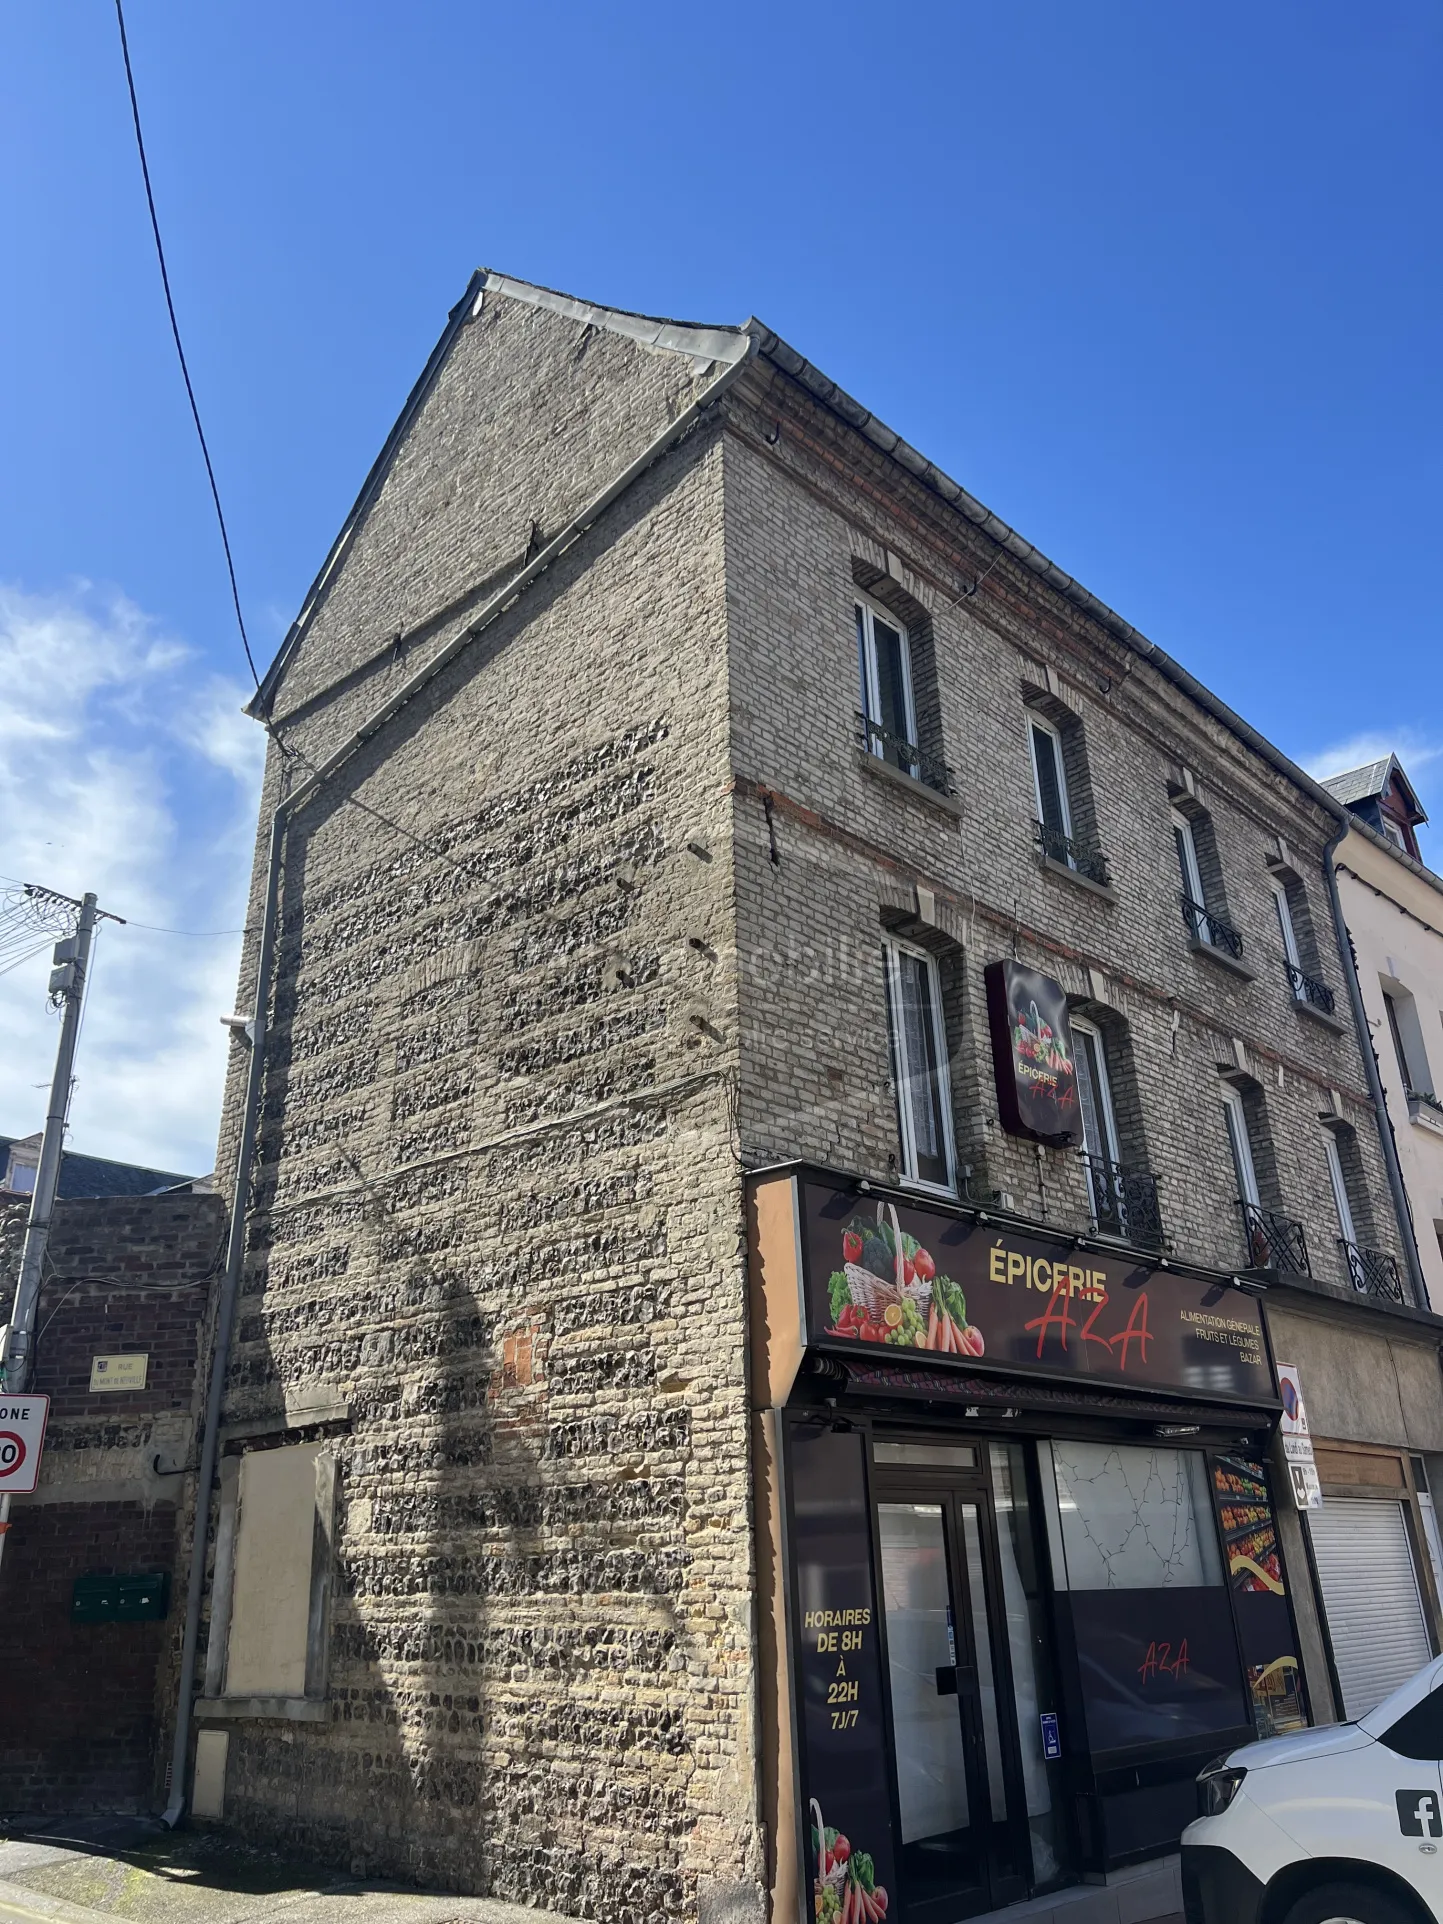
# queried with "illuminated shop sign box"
point(922, 1287)
point(1032, 1054)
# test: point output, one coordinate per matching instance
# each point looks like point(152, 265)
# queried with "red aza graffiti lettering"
point(1058, 1321)
point(1164, 1660)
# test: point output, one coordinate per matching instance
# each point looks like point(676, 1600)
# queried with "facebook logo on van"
point(1418, 1813)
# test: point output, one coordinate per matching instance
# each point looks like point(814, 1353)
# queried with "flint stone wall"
point(498, 1205)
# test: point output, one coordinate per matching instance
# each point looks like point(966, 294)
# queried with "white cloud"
point(1413, 750)
point(125, 767)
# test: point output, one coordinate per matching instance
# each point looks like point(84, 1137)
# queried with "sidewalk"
point(96, 1870)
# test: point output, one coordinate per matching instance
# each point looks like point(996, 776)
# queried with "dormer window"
point(1380, 794)
point(20, 1175)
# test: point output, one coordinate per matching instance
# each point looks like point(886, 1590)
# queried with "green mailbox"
point(137, 1596)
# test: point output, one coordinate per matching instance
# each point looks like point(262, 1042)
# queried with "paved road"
point(136, 1872)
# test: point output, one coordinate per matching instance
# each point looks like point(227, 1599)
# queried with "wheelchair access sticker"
point(1419, 1814)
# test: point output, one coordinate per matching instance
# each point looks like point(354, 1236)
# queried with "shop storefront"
point(1019, 1550)
point(1375, 1412)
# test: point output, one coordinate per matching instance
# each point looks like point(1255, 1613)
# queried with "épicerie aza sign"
point(22, 1433)
point(894, 1279)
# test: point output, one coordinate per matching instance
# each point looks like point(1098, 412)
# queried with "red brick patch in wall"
point(77, 1703)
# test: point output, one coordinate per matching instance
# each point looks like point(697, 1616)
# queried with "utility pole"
point(67, 981)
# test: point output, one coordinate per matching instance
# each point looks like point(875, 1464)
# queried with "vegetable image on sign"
point(1032, 1054)
point(888, 1291)
point(22, 1433)
point(845, 1888)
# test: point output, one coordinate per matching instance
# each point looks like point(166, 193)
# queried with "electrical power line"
point(154, 928)
point(365, 808)
point(9, 909)
point(29, 923)
point(180, 351)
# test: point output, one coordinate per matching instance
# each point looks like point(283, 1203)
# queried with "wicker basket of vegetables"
point(844, 1888)
point(888, 1291)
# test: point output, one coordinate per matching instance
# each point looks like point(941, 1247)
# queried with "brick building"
point(89, 1579)
point(782, 1040)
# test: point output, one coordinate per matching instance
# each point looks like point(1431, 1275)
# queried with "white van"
point(1341, 1825)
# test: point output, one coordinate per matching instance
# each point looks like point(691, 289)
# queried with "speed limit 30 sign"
point(22, 1431)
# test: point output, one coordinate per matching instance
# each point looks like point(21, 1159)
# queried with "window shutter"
point(271, 1603)
point(1370, 1594)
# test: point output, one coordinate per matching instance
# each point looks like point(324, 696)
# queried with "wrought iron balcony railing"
point(901, 754)
point(1275, 1242)
point(1373, 1271)
point(1085, 857)
point(1204, 926)
point(1124, 1201)
point(1307, 988)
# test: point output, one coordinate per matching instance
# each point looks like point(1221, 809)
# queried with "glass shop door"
point(962, 1802)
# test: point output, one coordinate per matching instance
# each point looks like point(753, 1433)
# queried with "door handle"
point(947, 1680)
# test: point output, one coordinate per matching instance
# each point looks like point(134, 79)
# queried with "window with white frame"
point(1407, 1034)
point(1102, 1158)
point(884, 664)
point(1235, 1118)
point(1192, 885)
point(1049, 777)
point(919, 1065)
point(1094, 1092)
point(20, 1176)
point(1340, 1188)
point(1291, 953)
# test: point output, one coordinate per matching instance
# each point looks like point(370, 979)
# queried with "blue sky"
point(1159, 284)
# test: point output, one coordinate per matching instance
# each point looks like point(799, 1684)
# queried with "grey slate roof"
point(98, 1176)
point(1370, 781)
point(1361, 784)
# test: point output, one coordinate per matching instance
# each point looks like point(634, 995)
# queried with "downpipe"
point(224, 1325)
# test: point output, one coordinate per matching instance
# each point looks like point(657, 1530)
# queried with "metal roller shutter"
point(1370, 1592)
